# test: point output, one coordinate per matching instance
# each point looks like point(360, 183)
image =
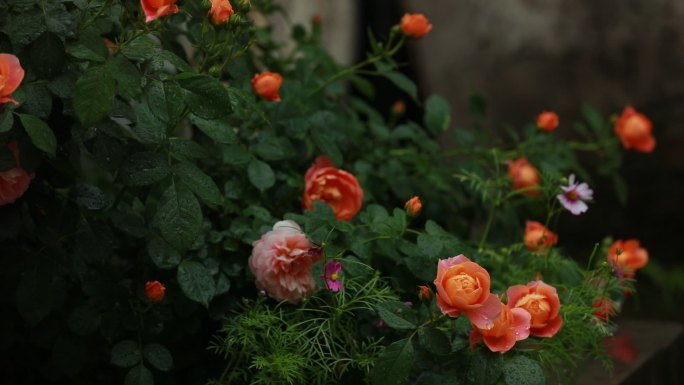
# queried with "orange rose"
point(463, 287)
point(15, 181)
point(220, 11)
point(11, 75)
point(267, 85)
point(415, 25)
point(538, 237)
point(413, 206)
point(524, 176)
point(158, 8)
point(424, 293)
point(634, 130)
point(512, 325)
point(631, 256)
point(338, 188)
point(547, 121)
point(154, 291)
point(541, 301)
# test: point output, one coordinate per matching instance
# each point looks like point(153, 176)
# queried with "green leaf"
point(47, 55)
point(196, 282)
point(430, 245)
point(6, 121)
point(40, 133)
point(325, 142)
point(478, 106)
point(199, 183)
point(394, 364)
point(403, 83)
point(172, 58)
point(186, 150)
point(139, 375)
point(94, 94)
point(126, 354)
point(147, 129)
point(397, 315)
point(218, 130)
point(596, 121)
point(89, 197)
point(485, 368)
point(434, 340)
point(84, 320)
point(158, 356)
point(142, 47)
point(520, 370)
point(206, 97)
point(274, 148)
point(144, 168)
point(162, 254)
point(437, 114)
point(179, 216)
point(165, 100)
point(260, 174)
point(34, 296)
point(36, 100)
point(127, 77)
point(88, 47)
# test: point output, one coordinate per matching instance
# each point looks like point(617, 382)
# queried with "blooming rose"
point(338, 188)
point(631, 258)
point(415, 24)
point(634, 130)
point(155, 291)
point(547, 121)
point(267, 85)
point(413, 206)
point(524, 176)
point(512, 325)
point(281, 262)
point(11, 75)
point(538, 237)
point(541, 301)
point(463, 287)
point(158, 8)
point(15, 181)
point(220, 11)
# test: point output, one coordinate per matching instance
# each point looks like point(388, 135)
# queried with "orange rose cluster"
point(220, 11)
point(463, 287)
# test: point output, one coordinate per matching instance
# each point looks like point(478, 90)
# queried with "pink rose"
point(281, 262)
point(15, 181)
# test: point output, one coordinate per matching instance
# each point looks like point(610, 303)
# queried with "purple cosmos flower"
point(574, 195)
point(332, 276)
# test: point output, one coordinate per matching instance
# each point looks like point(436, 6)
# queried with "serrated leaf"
point(179, 216)
point(162, 254)
point(397, 315)
point(144, 168)
point(485, 368)
point(165, 100)
point(126, 354)
point(6, 121)
point(274, 148)
point(437, 114)
point(218, 130)
point(172, 58)
point(434, 340)
point(325, 142)
point(158, 356)
point(47, 55)
point(88, 47)
point(199, 183)
point(36, 100)
point(196, 282)
point(127, 77)
point(430, 245)
point(394, 364)
point(205, 96)
point(260, 174)
point(142, 47)
point(403, 82)
point(520, 370)
point(94, 94)
point(89, 197)
point(40, 133)
point(139, 375)
point(147, 129)
point(186, 150)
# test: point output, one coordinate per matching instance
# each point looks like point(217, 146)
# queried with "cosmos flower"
point(332, 276)
point(575, 195)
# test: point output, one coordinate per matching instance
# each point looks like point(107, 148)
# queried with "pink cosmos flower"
point(332, 276)
point(574, 195)
point(281, 262)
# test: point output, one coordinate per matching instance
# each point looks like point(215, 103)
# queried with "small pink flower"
point(574, 196)
point(281, 262)
point(332, 276)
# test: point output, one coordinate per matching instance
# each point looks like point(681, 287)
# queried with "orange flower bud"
point(547, 121)
point(538, 237)
point(267, 85)
point(154, 291)
point(398, 108)
point(523, 175)
point(634, 130)
point(220, 11)
point(415, 25)
point(425, 294)
point(157, 8)
point(413, 206)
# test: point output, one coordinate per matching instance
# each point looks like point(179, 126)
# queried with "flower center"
point(634, 127)
point(572, 195)
point(465, 283)
point(334, 277)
